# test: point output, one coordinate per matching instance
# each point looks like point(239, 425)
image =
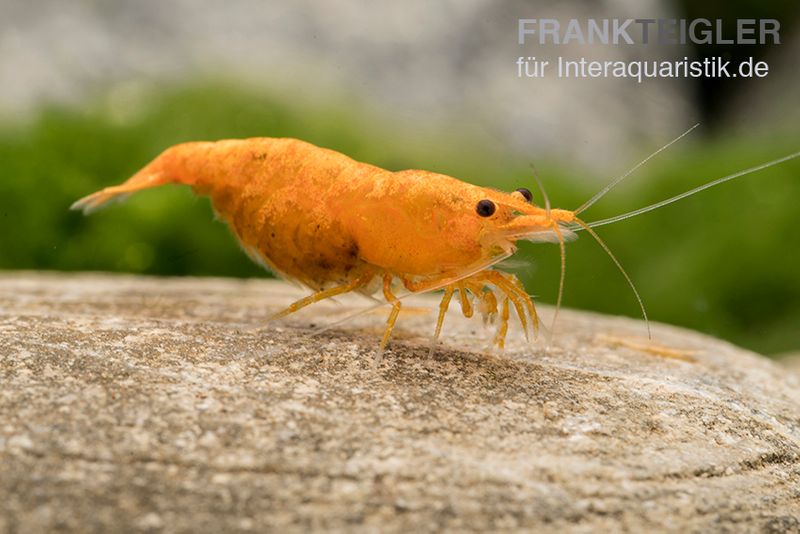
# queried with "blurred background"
point(93, 90)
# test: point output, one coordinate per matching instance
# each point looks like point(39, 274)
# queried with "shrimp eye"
point(525, 193)
point(485, 208)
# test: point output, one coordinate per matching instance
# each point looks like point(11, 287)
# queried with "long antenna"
point(691, 192)
point(616, 181)
point(563, 250)
point(542, 191)
point(619, 266)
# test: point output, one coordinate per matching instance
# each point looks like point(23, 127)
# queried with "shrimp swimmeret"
point(336, 225)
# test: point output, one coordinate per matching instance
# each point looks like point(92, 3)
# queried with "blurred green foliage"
point(724, 262)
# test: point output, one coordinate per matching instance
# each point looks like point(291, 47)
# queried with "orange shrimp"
point(336, 225)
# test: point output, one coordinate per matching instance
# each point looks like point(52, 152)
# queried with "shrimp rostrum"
point(335, 225)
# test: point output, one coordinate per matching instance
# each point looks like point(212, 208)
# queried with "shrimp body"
point(336, 225)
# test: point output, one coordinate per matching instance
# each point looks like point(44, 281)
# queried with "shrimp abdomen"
point(274, 194)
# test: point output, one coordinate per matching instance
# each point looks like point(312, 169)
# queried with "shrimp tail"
point(167, 168)
point(139, 181)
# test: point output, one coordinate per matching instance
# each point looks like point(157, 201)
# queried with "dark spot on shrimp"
point(526, 193)
point(352, 251)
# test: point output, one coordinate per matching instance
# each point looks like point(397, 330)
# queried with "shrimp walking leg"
point(524, 298)
point(325, 294)
point(508, 285)
point(487, 302)
point(396, 306)
point(512, 290)
point(466, 303)
point(528, 301)
point(443, 306)
point(502, 330)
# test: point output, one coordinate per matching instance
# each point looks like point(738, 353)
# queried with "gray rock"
point(172, 405)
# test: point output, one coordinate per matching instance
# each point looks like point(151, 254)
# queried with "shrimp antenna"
point(600, 194)
point(542, 191)
point(562, 249)
point(691, 192)
point(619, 266)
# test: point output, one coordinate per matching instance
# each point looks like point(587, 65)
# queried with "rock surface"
point(172, 405)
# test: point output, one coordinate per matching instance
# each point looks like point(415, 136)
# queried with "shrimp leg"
point(361, 281)
point(396, 305)
point(487, 301)
point(512, 291)
point(502, 330)
point(466, 304)
point(528, 301)
point(448, 295)
point(525, 298)
point(522, 302)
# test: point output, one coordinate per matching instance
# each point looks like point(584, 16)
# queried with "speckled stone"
point(147, 404)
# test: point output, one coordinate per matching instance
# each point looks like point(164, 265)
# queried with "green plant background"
point(724, 262)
